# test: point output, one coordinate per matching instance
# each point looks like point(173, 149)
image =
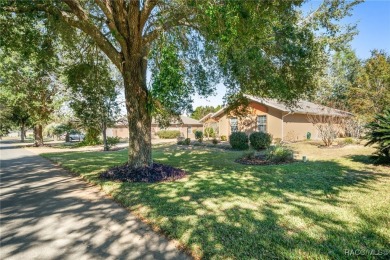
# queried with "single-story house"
point(271, 116)
point(185, 125)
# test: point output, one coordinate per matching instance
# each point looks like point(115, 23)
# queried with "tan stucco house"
point(271, 116)
point(185, 125)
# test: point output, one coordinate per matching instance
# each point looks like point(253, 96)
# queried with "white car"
point(76, 137)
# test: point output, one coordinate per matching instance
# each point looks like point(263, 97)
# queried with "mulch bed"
point(155, 173)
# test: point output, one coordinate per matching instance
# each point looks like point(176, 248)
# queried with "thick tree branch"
point(146, 11)
point(84, 25)
point(106, 9)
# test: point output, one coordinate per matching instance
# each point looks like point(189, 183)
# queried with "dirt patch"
point(154, 173)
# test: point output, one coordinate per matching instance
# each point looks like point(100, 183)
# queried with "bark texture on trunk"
point(138, 112)
point(22, 133)
point(104, 132)
point(38, 136)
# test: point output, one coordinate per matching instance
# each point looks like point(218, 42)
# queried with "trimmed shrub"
point(215, 141)
point(112, 141)
point(239, 141)
point(260, 140)
point(186, 141)
point(168, 134)
point(223, 138)
point(279, 154)
point(199, 136)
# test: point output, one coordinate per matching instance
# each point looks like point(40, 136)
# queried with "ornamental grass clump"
point(279, 154)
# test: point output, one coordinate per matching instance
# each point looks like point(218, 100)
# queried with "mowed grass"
point(335, 202)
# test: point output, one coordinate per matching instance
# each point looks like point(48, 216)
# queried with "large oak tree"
point(265, 48)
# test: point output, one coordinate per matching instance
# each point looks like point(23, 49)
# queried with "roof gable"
point(301, 107)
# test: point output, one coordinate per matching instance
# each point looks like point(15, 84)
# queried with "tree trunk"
point(38, 136)
point(22, 133)
point(138, 112)
point(104, 132)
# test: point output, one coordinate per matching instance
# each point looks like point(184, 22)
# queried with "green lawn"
point(223, 210)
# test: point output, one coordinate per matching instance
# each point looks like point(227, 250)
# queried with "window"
point(189, 130)
point(233, 125)
point(262, 124)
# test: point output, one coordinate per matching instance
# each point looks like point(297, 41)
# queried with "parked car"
point(76, 137)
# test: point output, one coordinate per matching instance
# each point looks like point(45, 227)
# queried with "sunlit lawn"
point(223, 210)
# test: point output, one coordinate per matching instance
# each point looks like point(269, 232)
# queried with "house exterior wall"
point(295, 126)
point(248, 124)
point(119, 131)
point(123, 132)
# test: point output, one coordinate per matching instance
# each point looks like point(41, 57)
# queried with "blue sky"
point(373, 23)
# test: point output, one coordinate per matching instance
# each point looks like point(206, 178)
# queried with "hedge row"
point(168, 134)
point(258, 140)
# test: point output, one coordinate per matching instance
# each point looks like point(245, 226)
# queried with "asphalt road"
point(48, 214)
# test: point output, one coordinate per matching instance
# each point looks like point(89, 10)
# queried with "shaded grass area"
point(225, 210)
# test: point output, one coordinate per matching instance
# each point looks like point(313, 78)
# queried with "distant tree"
point(338, 78)
point(93, 96)
point(29, 85)
point(370, 92)
point(265, 48)
point(202, 111)
point(5, 114)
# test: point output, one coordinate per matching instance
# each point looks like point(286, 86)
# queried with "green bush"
point(168, 134)
point(186, 141)
point(199, 136)
point(379, 133)
point(278, 154)
point(260, 140)
point(248, 155)
point(112, 141)
point(239, 141)
point(209, 132)
point(215, 141)
point(223, 138)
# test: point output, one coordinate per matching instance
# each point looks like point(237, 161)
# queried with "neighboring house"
point(186, 126)
point(271, 116)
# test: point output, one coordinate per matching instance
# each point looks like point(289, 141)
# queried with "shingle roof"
point(301, 107)
point(184, 120)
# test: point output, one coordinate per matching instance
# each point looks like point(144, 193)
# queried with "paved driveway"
point(48, 214)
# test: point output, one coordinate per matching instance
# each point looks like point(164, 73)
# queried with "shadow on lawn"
point(44, 215)
point(369, 159)
point(231, 210)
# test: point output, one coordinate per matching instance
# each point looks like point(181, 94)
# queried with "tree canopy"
point(202, 111)
point(264, 48)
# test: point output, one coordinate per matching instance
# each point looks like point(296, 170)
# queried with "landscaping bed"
point(155, 173)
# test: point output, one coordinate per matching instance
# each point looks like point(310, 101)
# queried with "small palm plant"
point(379, 133)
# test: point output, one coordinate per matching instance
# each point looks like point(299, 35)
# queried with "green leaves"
point(379, 133)
point(93, 92)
